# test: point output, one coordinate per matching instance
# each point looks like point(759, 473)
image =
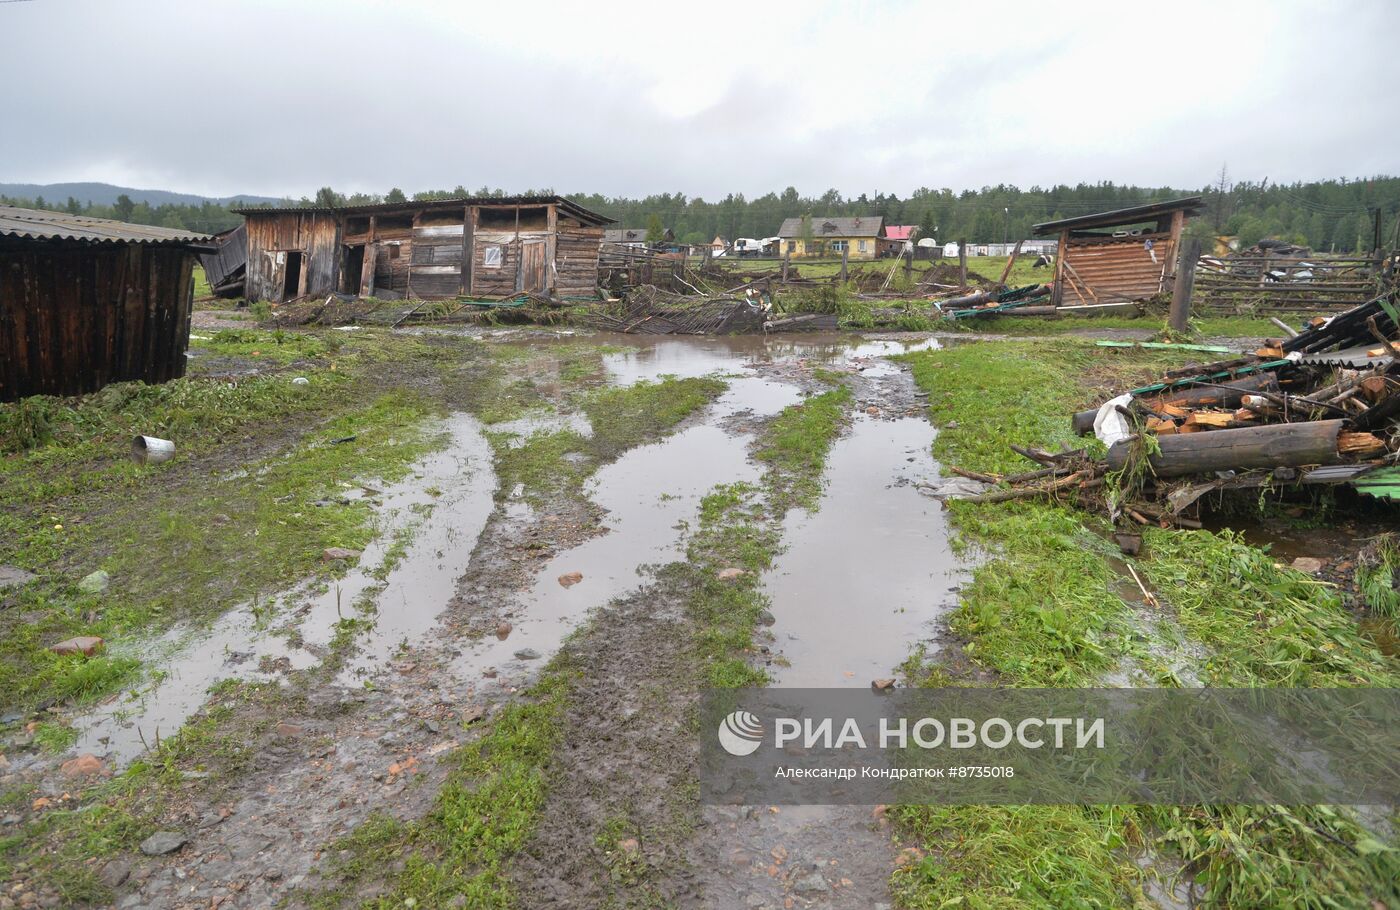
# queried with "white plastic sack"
point(1109, 425)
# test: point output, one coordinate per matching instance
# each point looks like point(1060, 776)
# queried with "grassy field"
point(1041, 610)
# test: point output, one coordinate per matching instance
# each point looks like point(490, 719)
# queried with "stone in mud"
point(289, 730)
point(115, 873)
point(503, 630)
point(766, 618)
point(1129, 544)
point(83, 644)
point(84, 766)
point(812, 883)
point(332, 554)
point(1310, 565)
point(872, 410)
point(13, 576)
point(527, 654)
point(163, 842)
point(731, 574)
point(569, 579)
point(882, 684)
point(489, 673)
point(95, 583)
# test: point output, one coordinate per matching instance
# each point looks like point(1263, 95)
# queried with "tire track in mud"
point(622, 825)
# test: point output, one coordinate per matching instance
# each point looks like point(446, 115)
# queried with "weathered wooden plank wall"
point(75, 317)
point(313, 234)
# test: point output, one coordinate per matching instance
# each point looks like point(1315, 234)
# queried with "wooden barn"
point(1119, 256)
point(88, 301)
point(478, 247)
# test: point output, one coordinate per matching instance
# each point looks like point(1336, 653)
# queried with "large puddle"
point(861, 580)
point(444, 503)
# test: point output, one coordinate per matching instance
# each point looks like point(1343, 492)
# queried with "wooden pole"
point(909, 264)
point(787, 260)
point(1184, 284)
point(845, 257)
point(962, 263)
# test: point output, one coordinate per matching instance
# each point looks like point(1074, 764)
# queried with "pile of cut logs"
point(1320, 407)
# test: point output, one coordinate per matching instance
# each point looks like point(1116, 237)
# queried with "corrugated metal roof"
point(1191, 205)
point(40, 225)
point(834, 227)
point(572, 208)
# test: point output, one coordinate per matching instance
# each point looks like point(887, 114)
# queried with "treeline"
point(207, 218)
point(1327, 215)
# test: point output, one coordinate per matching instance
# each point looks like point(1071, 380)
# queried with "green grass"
point(1243, 327)
point(278, 346)
point(795, 446)
point(216, 548)
point(201, 283)
point(457, 855)
point(1042, 610)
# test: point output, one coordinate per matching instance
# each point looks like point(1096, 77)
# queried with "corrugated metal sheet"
point(1106, 271)
point(1136, 214)
point(1356, 358)
point(565, 206)
point(39, 225)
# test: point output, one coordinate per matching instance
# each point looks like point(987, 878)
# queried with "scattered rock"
point(630, 846)
point(331, 554)
point(768, 619)
point(569, 579)
point(114, 873)
point(163, 842)
point(83, 767)
point(83, 644)
point(286, 729)
point(951, 425)
point(882, 684)
point(503, 630)
point(472, 715)
point(908, 856)
point(95, 583)
point(731, 573)
point(13, 576)
point(1129, 544)
point(812, 883)
point(527, 654)
point(1309, 564)
point(872, 410)
point(489, 673)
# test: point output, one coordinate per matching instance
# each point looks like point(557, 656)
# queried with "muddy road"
point(531, 561)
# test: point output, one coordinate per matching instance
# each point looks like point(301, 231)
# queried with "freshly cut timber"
point(1292, 445)
point(1191, 396)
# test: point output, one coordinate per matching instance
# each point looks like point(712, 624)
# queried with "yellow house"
point(810, 237)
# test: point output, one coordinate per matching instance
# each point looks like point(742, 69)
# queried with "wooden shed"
point(475, 247)
point(1119, 256)
point(88, 301)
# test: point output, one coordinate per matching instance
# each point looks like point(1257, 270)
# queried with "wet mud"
point(471, 605)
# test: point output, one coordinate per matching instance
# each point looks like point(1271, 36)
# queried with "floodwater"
point(253, 641)
point(861, 579)
point(650, 495)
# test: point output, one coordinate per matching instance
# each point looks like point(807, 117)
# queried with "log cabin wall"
point(1115, 269)
point(75, 316)
point(431, 250)
point(1120, 256)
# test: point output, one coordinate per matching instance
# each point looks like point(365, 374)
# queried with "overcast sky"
point(278, 98)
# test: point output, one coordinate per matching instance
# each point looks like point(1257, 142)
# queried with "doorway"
point(532, 264)
point(291, 275)
point(351, 273)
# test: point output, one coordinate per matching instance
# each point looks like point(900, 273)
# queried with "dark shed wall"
point(313, 234)
point(76, 316)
